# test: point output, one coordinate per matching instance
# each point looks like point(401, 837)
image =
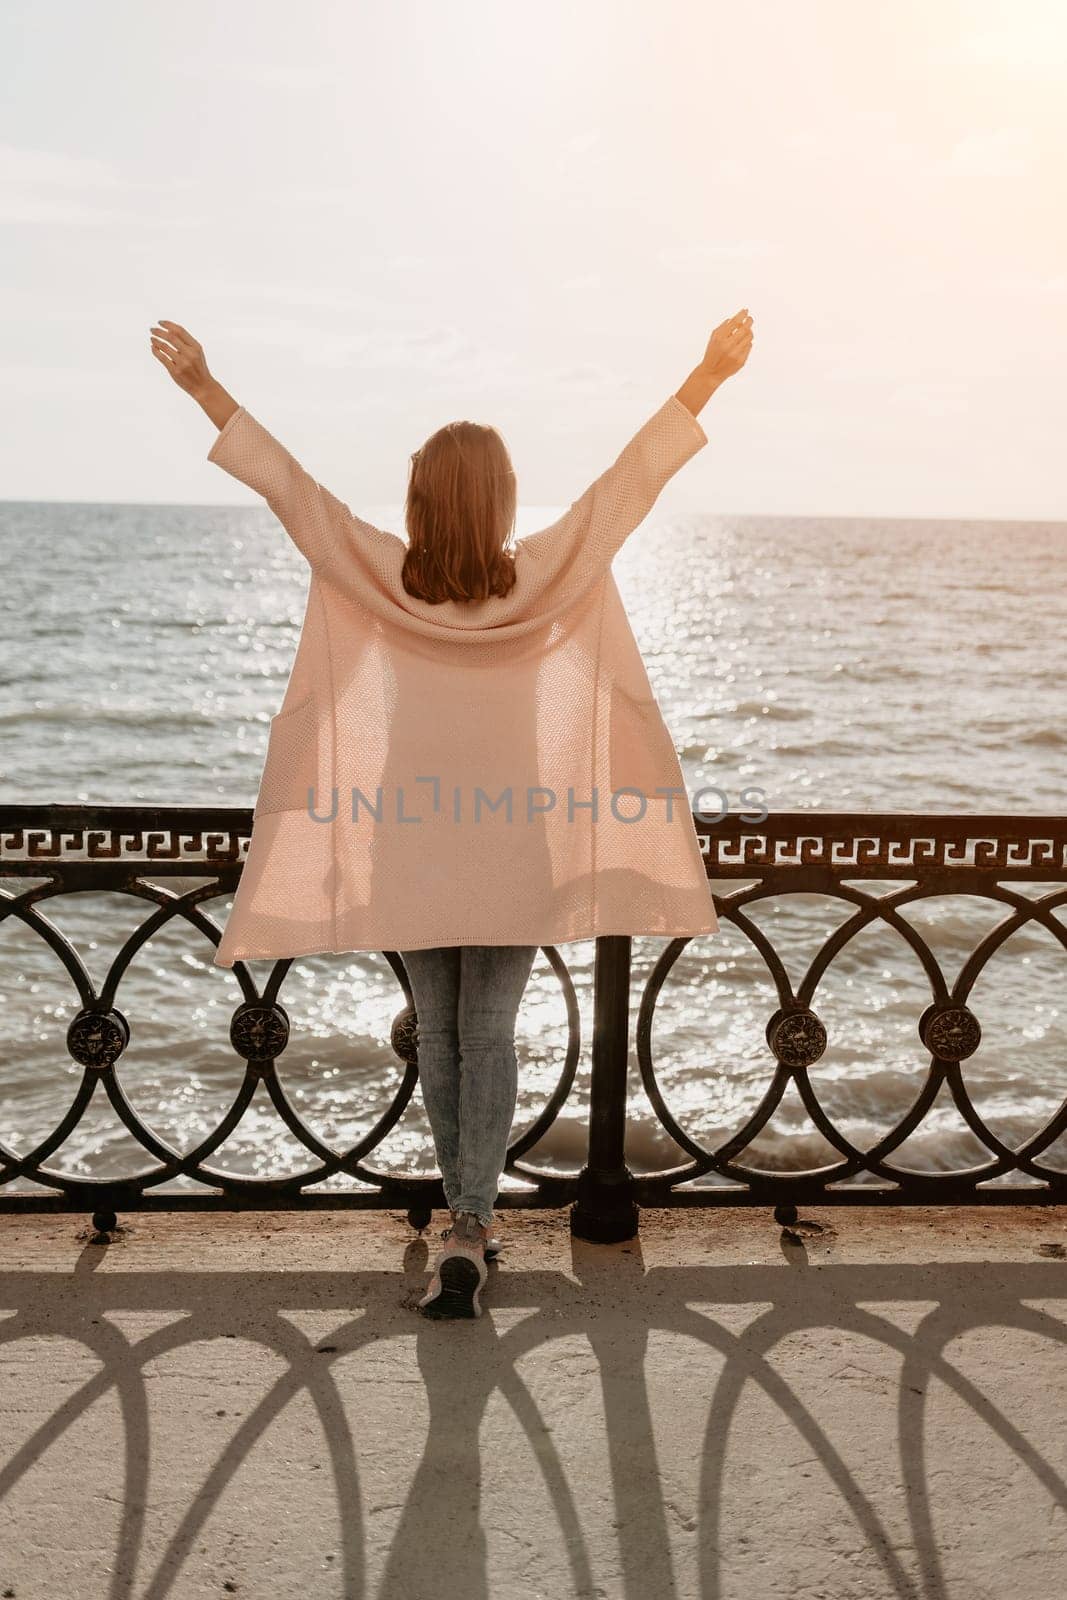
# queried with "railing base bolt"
point(104, 1221)
point(785, 1215)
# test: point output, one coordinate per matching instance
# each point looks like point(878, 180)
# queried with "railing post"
point(605, 1210)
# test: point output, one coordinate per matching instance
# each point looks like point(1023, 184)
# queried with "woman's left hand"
point(181, 355)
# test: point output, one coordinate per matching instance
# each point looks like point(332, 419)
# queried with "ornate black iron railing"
point(133, 850)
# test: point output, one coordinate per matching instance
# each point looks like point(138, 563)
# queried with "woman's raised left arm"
point(319, 524)
point(184, 359)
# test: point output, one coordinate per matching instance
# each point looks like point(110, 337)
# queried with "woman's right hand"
point(729, 346)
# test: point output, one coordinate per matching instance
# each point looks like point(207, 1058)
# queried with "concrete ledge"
point(251, 1404)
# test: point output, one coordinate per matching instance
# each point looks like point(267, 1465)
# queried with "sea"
point(818, 663)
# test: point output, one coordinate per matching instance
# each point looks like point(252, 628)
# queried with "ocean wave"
point(141, 719)
point(765, 708)
point(819, 747)
point(1012, 732)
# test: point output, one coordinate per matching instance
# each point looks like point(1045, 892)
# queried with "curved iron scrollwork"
point(135, 849)
point(810, 853)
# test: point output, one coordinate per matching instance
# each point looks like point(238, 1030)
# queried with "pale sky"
point(377, 217)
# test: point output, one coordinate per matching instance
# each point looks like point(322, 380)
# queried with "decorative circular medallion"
point(952, 1033)
point(259, 1032)
point(97, 1038)
point(797, 1037)
point(404, 1037)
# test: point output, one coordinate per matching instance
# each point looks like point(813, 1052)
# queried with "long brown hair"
point(460, 515)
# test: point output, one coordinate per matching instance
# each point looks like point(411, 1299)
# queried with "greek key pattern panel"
point(884, 845)
point(174, 838)
point(864, 844)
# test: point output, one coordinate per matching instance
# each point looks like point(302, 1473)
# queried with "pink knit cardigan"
point(491, 772)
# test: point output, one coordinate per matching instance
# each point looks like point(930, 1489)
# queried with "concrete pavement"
point(251, 1405)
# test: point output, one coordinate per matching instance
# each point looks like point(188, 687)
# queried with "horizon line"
point(557, 510)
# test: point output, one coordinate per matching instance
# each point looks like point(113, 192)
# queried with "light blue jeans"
point(466, 1000)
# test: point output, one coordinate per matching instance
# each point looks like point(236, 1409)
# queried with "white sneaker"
point(459, 1271)
point(493, 1244)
